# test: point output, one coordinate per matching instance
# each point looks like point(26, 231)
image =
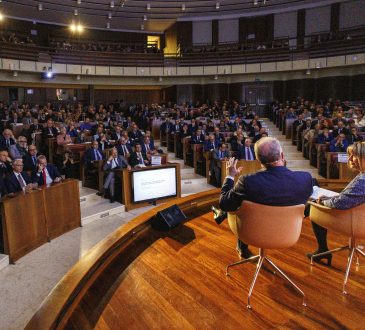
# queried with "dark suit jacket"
point(275, 186)
point(121, 152)
point(123, 163)
point(208, 145)
point(3, 189)
point(5, 169)
point(90, 155)
point(46, 133)
point(337, 131)
point(28, 162)
point(52, 171)
point(133, 159)
point(197, 139)
point(3, 145)
point(151, 146)
point(12, 184)
point(241, 152)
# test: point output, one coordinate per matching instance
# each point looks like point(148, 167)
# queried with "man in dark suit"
point(246, 152)
point(45, 174)
point(93, 154)
point(5, 163)
point(138, 158)
point(18, 180)
point(49, 131)
point(117, 134)
point(7, 139)
point(148, 146)
point(341, 129)
point(166, 126)
point(197, 137)
point(276, 185)
point(30, 159)
point(218, 155)
point(115, 161)
point(135, 134)
point(211, 144)
point(123, 148)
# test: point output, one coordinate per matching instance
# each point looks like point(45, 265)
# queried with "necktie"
point(50, 131)
point(147, 148)
point(8, 143)
point(220, 154)
point(116, 162)
point(21, 181)
point(44, 176)
point(34, 160)
point(248, 156)
point(96, 155)
point(125, 151)
point(140, 158)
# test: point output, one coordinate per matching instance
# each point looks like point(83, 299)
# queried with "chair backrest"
point(264, 226)
point(350, 223)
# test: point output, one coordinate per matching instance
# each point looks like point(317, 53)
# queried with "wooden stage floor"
point(178, 282)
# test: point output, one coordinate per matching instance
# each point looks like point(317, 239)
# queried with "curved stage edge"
point(141, 278)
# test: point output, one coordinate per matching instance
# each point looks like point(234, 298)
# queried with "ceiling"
point(151, 16)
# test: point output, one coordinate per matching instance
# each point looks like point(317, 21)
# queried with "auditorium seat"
point(266, 227)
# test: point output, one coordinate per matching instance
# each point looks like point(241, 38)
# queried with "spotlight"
point(318, 65)
point(76, 12)
point(73, 27)
point(215, 77)
point(49, 74)
point(78, 77)
point(308, 72)
point(15, 74)
point(183, 7)
point(217, 5)
point(110, 15)
point(40, 7)
point(79, 2)
point(142, 27)
point(145, 17)
point(255, 2)
point(111, 4)
point(148, 6)
point(79, 28)
point(354, 58)
point(1, 17)
point(108, 25)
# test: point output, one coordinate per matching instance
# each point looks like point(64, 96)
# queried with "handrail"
point(250, 52)
point(63, 299)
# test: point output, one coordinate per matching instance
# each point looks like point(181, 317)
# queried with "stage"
point(178, 281)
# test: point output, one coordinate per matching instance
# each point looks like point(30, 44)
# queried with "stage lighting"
point(49, 74)
point(1, 17)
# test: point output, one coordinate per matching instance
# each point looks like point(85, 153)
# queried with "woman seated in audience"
point(353, 195)
point(63, 139)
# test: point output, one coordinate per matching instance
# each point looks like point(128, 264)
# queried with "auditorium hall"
point(182, 164)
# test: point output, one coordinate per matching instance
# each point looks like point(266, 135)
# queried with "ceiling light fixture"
point(142, 27)
point(183, 7)
point(1, 17)
point(76, 12)
point(108, 25)
point(145, 17)
point(217, 5)
point(148, 6)
point(15, 74)
point(40, 7)
point(110, 15)
point(79, 2)
point(308, 72)
point(111, 4)
point(255, 2)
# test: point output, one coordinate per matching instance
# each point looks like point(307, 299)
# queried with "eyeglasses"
point(21, 165)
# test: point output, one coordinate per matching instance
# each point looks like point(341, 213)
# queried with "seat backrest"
point(264, 226)
point(350, 222)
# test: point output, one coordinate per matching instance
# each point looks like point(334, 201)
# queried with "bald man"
point(275, 185)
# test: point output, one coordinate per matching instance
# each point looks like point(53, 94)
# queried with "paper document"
point(317, 192)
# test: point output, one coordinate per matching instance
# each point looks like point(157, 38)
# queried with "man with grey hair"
point(274, 185)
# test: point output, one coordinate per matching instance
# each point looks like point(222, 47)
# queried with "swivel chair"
point(350, 223)
point(266, 227)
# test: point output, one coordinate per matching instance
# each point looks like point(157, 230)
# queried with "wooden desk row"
point(31, 219)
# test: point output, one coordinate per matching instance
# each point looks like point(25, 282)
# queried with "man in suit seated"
point(30, 159)
point(103, 142)
point(117, 134)
point(219, 154)
point(139, 158)
point(93, 154)
point(341, 129)
point(123, 148)
point(49, 131)
point(5, 163)
point(324, 137)
point(166, 126)
point(210, 144)
point(197, 137)
point(148, 146)
point(6, 139)
point(115, 161)
point(246, 152)
point(18, 180)
point(45, 173)
point(19, 149)
point(276, 185)
point(339, 144)
point(135, 134)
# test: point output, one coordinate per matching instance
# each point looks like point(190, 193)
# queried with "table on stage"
point(31, 219)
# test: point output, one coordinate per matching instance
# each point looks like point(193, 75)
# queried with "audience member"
point(45, 174)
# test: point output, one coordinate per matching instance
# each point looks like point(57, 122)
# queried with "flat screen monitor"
point(153, 184)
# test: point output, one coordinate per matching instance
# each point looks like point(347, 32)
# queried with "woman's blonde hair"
point(358, 150)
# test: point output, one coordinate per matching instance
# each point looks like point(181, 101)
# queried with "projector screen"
point(154, 184)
